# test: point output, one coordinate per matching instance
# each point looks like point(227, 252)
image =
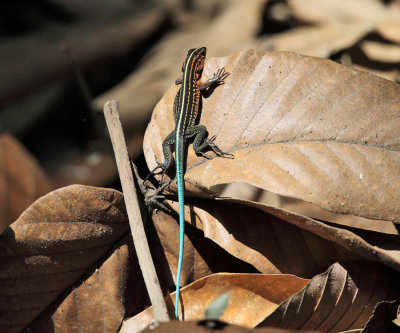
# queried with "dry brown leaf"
point(342, 298)
point(138, 93)
point(298, 126)
point(318, 41)
point(196, 327)
point(244, 191)
point(390, 30)
point(201, 256)
point(389, 27)
point(315, 212)
point(383, 19)
point(273, 240)
point(263, 292)
point(21, 180)
point(270, 239)
point(391, 74)
point(96, 304)
point(383, 52)
point(58, 241)
point(336, 10)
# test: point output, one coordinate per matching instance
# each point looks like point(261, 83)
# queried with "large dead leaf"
point(57, 243)
point(271, 239)
point(202, 256)
point(383, 52)
point(244, 191)
point(298, 126)
point(384, 19)
point(390, 29)
point(21, 180)
point(247, 292)
point(343, 298)
point(336, 10)
point(318, 41)
point(98, 302)
point(316, 212)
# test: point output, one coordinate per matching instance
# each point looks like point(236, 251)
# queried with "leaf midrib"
point(396, 150)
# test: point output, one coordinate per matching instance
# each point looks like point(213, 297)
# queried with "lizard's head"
point(200, 51)
point(195, 59)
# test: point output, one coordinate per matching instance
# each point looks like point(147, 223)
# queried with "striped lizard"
point(186, 109)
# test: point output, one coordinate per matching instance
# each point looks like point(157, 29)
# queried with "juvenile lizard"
point(186, 109)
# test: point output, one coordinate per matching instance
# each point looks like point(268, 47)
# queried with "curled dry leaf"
point(318, 41)
point(389, 53)
point(316, 212)
point(384, 19)
point(278, 241)
point(390, 29)
point(58, 241)
point(97, 304)
point(246, 191)
point(298, 126)
point(21, 180)
point(336, 10)
point(342, 298)
point(270, 239)
point(201, 256)
point(263, 292)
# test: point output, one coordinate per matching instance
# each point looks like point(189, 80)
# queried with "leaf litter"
point(319, 126)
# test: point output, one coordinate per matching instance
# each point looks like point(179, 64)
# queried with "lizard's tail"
point(181, 190)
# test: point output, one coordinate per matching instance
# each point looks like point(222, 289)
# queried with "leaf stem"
point(132, 206)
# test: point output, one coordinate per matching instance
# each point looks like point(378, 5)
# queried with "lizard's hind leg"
point(168, 158)
point(201, 144)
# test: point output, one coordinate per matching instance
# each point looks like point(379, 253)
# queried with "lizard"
point(186, 110)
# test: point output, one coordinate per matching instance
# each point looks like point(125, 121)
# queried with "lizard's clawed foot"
point(162, 171)
point(216, 149)
point(221, 75)
point(156, 200)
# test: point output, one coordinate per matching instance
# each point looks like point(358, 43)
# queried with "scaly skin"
point(186, 109)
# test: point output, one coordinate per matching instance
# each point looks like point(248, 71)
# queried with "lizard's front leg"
point(218, 78)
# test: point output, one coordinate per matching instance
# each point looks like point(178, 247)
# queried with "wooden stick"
point(135, 219)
